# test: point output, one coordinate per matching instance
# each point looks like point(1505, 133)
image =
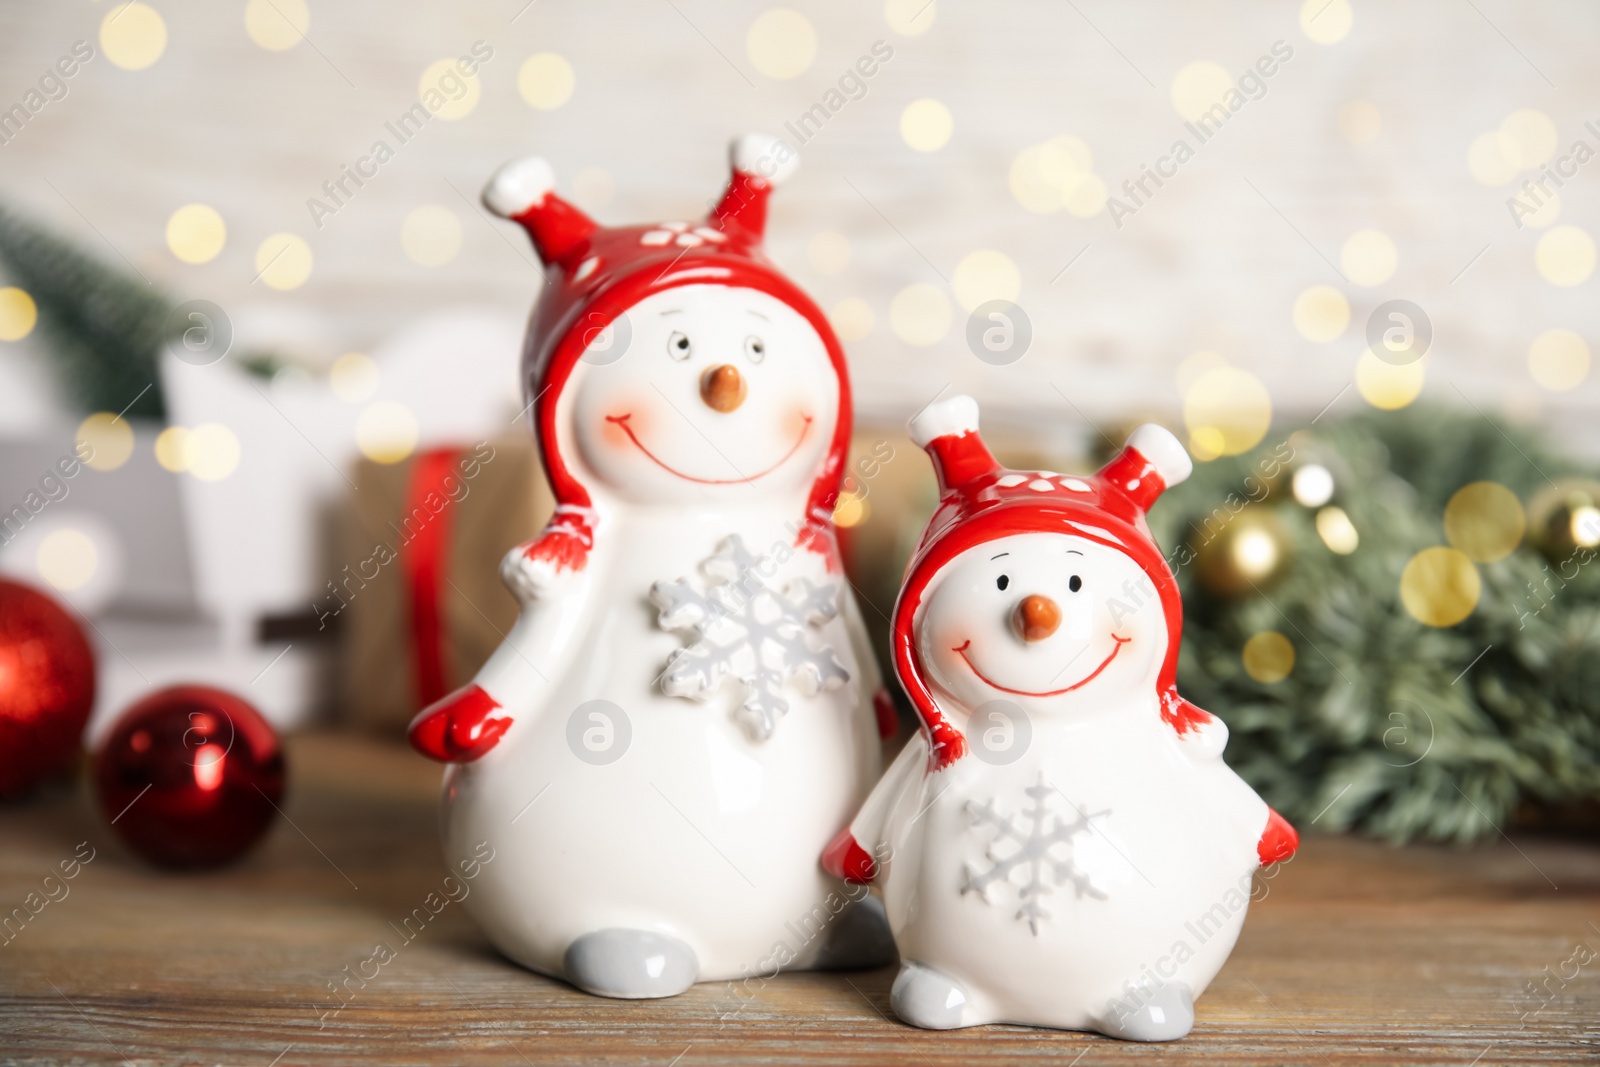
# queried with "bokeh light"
point(66, 558)
point(172, 449)
point(781, 43)
point(1368, 257)
point(1321, 313)
point(1485, 521)
point(386, 432)
point(283, 261)
point(546, 81)
point(106, 440)
point(1527, 139)
point(1326, 21)
point(1487, 163)
point(852, 318)
point(196, 233)
point(459, 99)
point(133, 36)
point(431, 235)
point(1268, 657)
point(1337, 531)
point(1559, 360)
point(18, 313)
point(926, 125)
point(985, 275)
point(353, 377)
point(277, 25)
point(1387, 386)
point(1440, 586)
point(910, 17)
point(1312, 485)
point(1565, 256)
point(211, 452)
point(1198, 87)
point(1227, 411)
point(919, 315)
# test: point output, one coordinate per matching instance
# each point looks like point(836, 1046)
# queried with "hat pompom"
point(764, 156)
point(942, 418)
point(518, 186)
point(1165, 453)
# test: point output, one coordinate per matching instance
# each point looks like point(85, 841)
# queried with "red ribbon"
point(424, 553)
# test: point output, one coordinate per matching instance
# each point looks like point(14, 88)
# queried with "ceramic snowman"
point(687, 708)
point(1062, 844)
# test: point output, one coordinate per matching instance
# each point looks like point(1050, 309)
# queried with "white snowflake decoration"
point(746, 630)
point(1011, 849)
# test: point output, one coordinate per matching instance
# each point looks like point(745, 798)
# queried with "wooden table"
point(1359, 954)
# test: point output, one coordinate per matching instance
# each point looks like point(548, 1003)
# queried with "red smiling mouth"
point(622, 421)
point(1120, 641)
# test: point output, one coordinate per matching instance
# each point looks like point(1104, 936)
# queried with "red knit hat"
point(980, 501)
point(594, 273)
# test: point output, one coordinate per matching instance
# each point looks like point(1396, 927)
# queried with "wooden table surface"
point(1360, 953)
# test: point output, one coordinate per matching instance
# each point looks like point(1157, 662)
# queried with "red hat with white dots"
point(594, 273)
point(981, 501)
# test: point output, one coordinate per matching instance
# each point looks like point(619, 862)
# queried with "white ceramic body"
point(697, 831)
point(1171, 846)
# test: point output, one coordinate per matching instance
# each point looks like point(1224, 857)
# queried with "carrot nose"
point(1037, 617)
point(722, 388)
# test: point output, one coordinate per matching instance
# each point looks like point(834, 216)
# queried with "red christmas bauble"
point(190, 777)
point(46, 688)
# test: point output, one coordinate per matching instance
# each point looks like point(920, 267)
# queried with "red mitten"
point(458, 728)
point(845, 858)
point(888, 718)
point(1278, 840)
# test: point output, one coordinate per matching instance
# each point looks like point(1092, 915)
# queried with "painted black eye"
point(755, 348)
point(1075, 583)
point(678, 346)
point(1002, 581)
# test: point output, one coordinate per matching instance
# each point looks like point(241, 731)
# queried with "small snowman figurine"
point(687, 707)
point(1061, 844)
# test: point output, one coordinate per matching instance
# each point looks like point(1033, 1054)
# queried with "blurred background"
point(1344, 250)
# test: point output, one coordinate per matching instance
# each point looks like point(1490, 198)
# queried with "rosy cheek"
point(615, 433)
point(796, 421)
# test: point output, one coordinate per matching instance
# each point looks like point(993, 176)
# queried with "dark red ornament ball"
point(190, 777)
point(46, 688)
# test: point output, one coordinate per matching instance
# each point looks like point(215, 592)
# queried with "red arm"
point(845, 858)
point(1278, 840)
point(458, 728)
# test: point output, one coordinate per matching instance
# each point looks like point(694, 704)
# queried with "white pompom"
point(518, 185)
point(953, 415)
point(764, 156)
point(1156, 444)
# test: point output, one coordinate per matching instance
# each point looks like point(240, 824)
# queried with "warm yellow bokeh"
point(196, 233)
point(1487, 162)
point(546, 81)
point(1227, 410)
point(781, 43)
point(104, 441)
point(459, 91)
point(926, 125)
point(1388, 386)
point(66, 559)
point(829, 252)
point(1484, 520)
point(1559, 360)
point(852, 318)
point(1337, 531)
point(1360, 121)
point(1565, 256)
point(919, 315)
point(910, 18)
point(1368, 258)
point(133, 36)
point(277, 24)
point(353, 377)
point(1527, 139)
point(1326, 21)
point(172, 449)
point(431, 235)
point(283, 261)
point(1194, 365)
point(386, 432)
point(1321, 313)
point(1546, 209)
point(1440, 586)
point(985, 275)
point(211, 452)
point(1198, 87)
point(1268, 657)
point(18, 313)
point(850, 510)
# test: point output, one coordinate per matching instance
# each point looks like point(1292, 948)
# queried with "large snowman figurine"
point(686, 709)
point(1062, 844)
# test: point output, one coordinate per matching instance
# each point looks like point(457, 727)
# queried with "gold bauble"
point(1245, 553)
point(1565, 518)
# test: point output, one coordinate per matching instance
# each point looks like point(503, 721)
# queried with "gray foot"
point(1162, 1014)
point(630, 964)
point(858, 938)
point(924, 997)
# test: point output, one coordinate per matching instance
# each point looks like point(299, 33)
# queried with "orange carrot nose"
point(1037, 617)
point(722, 388)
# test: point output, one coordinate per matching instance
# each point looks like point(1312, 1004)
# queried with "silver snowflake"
point(1011, 849)
point(744, 629)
